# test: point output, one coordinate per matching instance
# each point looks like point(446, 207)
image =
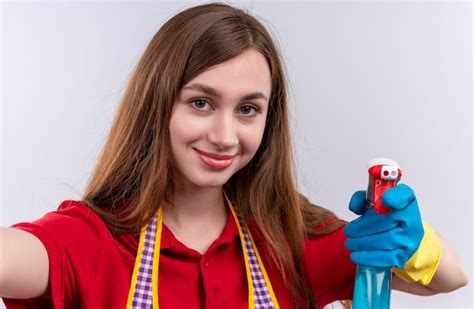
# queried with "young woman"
point(193, 201)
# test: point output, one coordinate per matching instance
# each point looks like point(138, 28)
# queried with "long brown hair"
point(133, 174)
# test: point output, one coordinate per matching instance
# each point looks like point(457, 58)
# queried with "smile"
point(214, 161)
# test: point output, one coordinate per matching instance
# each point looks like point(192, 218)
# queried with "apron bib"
point(143, 291)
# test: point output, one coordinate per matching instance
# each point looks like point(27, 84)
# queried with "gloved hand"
point(385, 240)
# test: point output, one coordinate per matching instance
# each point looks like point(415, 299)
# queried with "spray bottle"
point(373, 284)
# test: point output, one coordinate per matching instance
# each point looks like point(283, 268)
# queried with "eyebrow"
point(213, 92)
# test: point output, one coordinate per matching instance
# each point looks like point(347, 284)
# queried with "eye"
point(249, 110)
point(200, 104)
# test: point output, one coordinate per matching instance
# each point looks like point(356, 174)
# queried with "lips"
point(215, 156)
point(213, 160)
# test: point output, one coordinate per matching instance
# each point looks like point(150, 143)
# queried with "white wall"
point(367, 79)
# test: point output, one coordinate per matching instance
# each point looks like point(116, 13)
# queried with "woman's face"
point(218, 120)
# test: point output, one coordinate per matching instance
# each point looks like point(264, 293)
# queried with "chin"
point(211, 181)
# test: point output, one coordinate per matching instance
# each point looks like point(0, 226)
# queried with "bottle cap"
point(382, 161)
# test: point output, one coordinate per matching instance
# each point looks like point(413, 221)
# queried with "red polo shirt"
point(89, 268)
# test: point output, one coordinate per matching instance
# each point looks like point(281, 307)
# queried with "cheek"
point(180, 132)
point(251, 138)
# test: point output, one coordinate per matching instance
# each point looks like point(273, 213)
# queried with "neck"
point(197, 216)
point(195, 207)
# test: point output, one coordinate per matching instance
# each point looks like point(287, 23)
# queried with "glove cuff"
point(422, 265)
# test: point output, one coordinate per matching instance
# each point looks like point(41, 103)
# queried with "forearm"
point(450, 275)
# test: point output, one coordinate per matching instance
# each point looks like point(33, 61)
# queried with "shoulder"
point(72, 230)
point(74, 226)
point(68, 211)
point(83, 256)
point(71, 218)
point(328, 266)
point(72, 236)
point(328, 244)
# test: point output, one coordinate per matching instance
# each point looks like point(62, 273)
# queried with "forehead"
point(246, 74)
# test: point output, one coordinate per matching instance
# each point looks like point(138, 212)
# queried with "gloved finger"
point(398, 197)
point(388, 258)
point(368, 224)
point(358, 202)
point(393, 239)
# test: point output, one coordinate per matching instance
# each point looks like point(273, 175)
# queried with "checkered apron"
point(144, 285)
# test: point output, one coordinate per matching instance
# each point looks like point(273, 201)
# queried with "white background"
point(367, 79)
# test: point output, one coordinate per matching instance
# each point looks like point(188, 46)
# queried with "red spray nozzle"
point(383, 175)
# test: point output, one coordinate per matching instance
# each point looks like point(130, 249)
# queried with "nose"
point(223, 133)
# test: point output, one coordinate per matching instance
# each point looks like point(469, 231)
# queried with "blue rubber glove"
point(385, 240)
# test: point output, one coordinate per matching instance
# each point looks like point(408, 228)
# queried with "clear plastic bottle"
point(372, 287)
point(373, 284)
